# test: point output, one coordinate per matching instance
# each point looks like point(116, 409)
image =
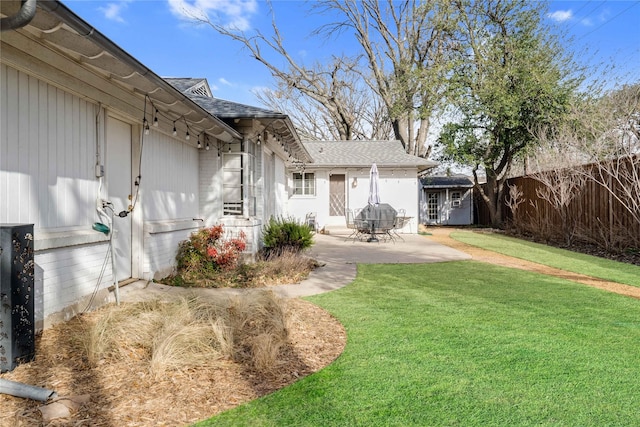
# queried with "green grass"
point(466, 344)
point(554, 257)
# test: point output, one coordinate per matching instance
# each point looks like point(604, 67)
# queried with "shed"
point(446, 200)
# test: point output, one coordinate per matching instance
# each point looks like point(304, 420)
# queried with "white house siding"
point(210, 186)
point(171, 200)
point(396, 188)
point(280, 188)
point(47, 178)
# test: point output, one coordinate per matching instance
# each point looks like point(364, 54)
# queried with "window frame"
point(305, 189)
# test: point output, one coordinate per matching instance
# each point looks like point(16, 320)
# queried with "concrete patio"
point(338, 256)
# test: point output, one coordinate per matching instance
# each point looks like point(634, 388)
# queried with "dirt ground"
point(113, 395)
point(441, 235)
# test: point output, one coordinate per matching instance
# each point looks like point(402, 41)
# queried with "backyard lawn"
point(470, 344)
point(563, 259)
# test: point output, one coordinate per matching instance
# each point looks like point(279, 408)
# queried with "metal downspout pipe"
point(27, 391)
point(23, 17)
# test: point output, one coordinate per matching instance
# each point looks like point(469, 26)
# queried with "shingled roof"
point(198, 91)
point(446, 182)
point(363, 154)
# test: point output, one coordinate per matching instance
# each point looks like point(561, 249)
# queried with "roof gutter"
point(23, 17)
point(83, 28)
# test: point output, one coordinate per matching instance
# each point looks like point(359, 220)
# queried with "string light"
point(175, 131)
point(145, 123)
point(199, 144)
point(155, 118)
point(187, 136)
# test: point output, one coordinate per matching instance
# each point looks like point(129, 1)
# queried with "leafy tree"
point(510, 77)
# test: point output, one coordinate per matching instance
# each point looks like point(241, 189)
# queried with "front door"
point(337, 196)
point(118, 179)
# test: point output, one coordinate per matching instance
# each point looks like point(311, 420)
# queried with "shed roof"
point(363, 154)
point(459, 181)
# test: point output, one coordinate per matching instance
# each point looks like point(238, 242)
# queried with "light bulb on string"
point(207, 146)
point(145, 123)
point(199, 144)
point(175, 131)
point(187, 137)
point(155, 119)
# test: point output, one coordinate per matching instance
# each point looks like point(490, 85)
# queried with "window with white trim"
point(456, 199)
point(304, 184)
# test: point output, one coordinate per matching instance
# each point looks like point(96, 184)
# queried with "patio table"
point(380, 219)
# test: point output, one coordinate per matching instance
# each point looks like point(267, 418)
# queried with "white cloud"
point(234, 14)
point(113, 11)
point(225, 82)
point(561, 15)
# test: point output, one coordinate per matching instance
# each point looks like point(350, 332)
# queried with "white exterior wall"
point(48, 144)
point(399, 188)
point(170, 200)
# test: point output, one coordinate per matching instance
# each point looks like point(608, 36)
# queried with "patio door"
point(337, 196)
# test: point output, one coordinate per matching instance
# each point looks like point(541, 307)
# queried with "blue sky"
point(156, 33)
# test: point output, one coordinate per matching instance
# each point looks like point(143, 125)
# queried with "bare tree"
point(365, 120)
point(560, 181)
point(327, 89)
point(605, 133)
point(613, 144)
point(402, 68)
point(405, 45)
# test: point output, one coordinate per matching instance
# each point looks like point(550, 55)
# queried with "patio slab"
point(339, 257)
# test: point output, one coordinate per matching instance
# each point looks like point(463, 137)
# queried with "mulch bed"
point(127, 394)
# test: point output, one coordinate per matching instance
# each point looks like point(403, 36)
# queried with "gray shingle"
point(446, 182)
point(363, 154)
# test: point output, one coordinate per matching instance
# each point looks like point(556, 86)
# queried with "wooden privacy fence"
point(594, 215)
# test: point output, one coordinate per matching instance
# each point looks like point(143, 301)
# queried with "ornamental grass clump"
point(192, 333)
point(282, 235)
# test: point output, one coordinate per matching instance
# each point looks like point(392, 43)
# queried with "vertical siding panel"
point(22, 187)
point(52, 197)
point(58, 164)
point(4, 142)
point(33, 153)
point(43, 153)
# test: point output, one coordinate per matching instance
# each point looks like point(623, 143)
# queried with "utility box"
point(17, 325)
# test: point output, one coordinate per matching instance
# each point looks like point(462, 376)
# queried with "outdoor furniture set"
point(375, 223)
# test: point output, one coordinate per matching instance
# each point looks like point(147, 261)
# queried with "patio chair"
point(310, 220)
point(355, 225)
point(399, 223)
point(384, 227)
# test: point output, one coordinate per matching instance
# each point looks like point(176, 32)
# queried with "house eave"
point(125, 70)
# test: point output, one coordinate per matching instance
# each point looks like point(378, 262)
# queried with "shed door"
point(118, 178)
point(433, 208)
point(337, 195)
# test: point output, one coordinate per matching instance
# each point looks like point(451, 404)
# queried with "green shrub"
point(282, 235)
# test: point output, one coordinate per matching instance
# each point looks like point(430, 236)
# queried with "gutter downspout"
point(27, 391)
point(20, 19)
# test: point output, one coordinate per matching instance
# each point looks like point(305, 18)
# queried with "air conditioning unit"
point(17, 326)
